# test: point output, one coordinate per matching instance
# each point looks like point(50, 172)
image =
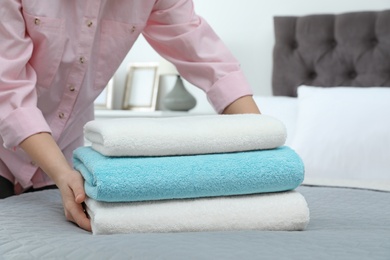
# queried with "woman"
point(57, 56)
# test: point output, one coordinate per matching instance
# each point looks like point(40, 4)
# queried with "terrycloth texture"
point(275, 211)
point(185, 135)
point(191, 176)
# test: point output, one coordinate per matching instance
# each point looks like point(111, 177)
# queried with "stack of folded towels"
point(193, 173)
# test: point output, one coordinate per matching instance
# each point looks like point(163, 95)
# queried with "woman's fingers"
point(79, 217)
point(73, 196)
point(78, 190)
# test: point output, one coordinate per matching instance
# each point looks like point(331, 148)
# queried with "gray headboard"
point(349, 49)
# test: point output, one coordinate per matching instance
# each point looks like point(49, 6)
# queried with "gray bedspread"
point(345, 224)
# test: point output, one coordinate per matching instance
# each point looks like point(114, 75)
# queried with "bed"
point(348, 192)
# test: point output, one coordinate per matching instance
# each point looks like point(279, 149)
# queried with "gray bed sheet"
point(345, 224)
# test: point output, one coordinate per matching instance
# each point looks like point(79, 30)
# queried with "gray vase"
point(179, 99)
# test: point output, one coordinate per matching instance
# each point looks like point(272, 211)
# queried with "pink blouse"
point(57, 56)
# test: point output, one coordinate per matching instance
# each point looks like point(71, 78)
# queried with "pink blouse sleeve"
point(19, 115)
point(185, 39)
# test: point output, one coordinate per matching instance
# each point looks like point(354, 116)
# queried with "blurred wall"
point(246, 26)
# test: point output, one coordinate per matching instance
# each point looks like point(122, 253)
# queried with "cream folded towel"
point(284, 211)
point(185, 135)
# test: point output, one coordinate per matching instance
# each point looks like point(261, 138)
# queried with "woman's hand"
point(73, 195)
point(45, 152)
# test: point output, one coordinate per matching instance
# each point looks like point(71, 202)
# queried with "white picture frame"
point(105, 99)
point(141, 87)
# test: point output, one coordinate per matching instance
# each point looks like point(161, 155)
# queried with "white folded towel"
point(185, 135)
point(287, 211)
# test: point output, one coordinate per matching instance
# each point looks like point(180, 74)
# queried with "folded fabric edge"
point(115, 141)
point(140, 184)
point(282, 211)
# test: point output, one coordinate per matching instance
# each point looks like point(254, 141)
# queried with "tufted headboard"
point(349, 49)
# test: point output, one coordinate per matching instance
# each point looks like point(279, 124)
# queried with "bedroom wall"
point(247, 28)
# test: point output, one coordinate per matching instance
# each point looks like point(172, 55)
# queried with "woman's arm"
point(20, 118)
point(199, 54)
point(243, 105)
point(44, 151)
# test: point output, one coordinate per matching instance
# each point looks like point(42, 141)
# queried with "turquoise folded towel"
point(121, 179)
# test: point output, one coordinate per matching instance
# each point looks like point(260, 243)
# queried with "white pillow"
point(343, 136)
